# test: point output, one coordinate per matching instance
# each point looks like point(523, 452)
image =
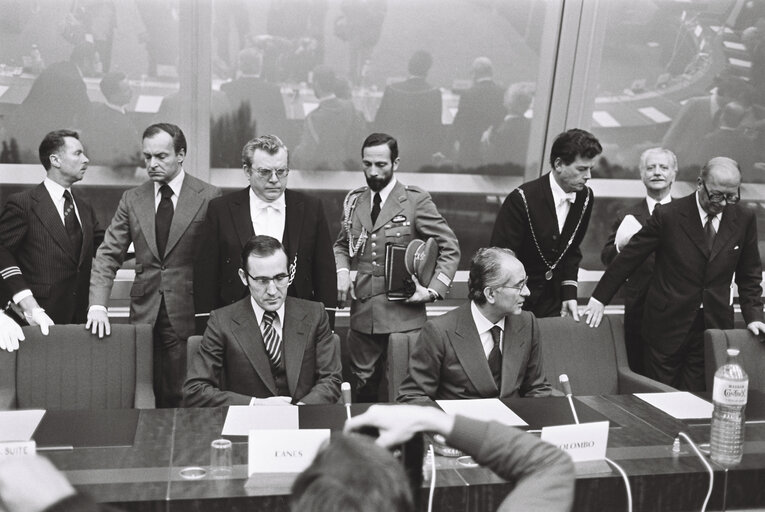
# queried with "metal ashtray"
point(193, 473)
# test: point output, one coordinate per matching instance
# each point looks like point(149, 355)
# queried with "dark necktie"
point(271, 338)
point(376, 207)
point(709, 231)
point(495, 357)
point(72, 225)
point(164, 218)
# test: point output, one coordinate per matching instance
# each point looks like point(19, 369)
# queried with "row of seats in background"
point(71, 369)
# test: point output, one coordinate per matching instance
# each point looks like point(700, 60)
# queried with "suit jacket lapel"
point(467, 346)
point(548, 199)
point(725, 231)
point(247, 333)
point(46, 212)
point(239, 207)
point(691, 223)
point(145, 212)
point(364, 210)
point(293, 223)
point(294, 341)
point(512, 353)
point(393, 205)
point(189, 203)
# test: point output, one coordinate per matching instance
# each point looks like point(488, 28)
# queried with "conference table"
point(134, 458)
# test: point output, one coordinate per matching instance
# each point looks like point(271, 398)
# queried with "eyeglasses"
point(518, 287)
point(263, 282)
point(719, 197)
point(265, 174)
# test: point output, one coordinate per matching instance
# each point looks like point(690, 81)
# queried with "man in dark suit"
point(263, 98)
point(411, 112)
point(50, 235)
point(163, 219)
point(543, 222)
point(480, 108)
point(486, 348)
point(697, 253)
point(266, 348)
point(264, 208)
point(658, 168)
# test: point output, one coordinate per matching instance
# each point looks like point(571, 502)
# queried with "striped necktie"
point(271, 339)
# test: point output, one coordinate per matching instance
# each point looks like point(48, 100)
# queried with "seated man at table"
point(486, 348)
point(266, 349)
point(351, 473)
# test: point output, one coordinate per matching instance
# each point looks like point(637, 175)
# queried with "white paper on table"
point(627, 228)
point(19, 425)
point(309, 106)
point(243, 418)
point(679, 404)
point(3, 88)
point(148, 103)
point(485, 409)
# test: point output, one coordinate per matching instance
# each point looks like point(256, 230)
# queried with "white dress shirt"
point(484, 326)
point(56, 192)
point(384, 193)
point(562, 200)
point(651, 202)
point(277, 324)
point(175, 184)
point(268, 218)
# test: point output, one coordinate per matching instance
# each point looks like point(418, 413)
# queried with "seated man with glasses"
point(268, 348)
point(265, 207)
point(702, 242)
point(486, 348)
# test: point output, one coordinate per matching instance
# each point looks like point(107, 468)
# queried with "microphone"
point(563, 379)
point(345, 390)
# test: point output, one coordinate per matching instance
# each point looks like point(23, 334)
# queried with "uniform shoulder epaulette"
point(415, 188)
point(356, 191)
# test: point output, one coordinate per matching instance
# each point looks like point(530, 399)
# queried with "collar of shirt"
point(651, 202)
point(257, 204)
point(174, 184)
point(484, 326)
point(384, 193)
point(558, 194)
point(703, 215)
point(260, 311)
point(56, 193)
point(118, 108)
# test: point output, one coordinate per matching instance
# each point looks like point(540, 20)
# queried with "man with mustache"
point(385, 212)
point(543, 221)
point(658, 168)
point(486, 348)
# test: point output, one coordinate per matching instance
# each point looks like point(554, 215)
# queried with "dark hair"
point(486, 270)
point(324, 77)
point(271, 144)
point(52, 143)
point(179, 140)
point(110, 84)
point(378, 139)
point(351, 473)
point(260, 246)
point(420, 62)
point(572, 144)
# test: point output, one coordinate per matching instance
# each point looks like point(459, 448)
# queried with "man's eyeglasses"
point(265, 174)
point(719, 197)
point(263, 282)
point(518, 287)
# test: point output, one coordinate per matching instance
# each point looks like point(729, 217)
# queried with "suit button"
point(163, 267)
point(374, 253)
point(374, 235)
point(555, 237)
point(74, 294)
point(374, 244)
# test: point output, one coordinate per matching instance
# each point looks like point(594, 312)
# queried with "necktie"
point(376, 207)
point(72, 225)
point(709, 231)
point(164, 218)
point(271, 338)
point(495, 357)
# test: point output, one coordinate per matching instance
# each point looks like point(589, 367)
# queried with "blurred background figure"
point(360, 25)
point(506, 143)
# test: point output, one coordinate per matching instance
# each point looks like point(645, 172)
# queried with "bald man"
point(700, 241)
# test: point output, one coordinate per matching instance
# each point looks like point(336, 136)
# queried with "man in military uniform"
point(385, 212)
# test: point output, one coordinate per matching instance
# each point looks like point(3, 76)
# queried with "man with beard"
point(385, 212)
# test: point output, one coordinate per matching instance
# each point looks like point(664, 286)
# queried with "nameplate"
point(283, 451)
point(583, 442)
point(17, 449)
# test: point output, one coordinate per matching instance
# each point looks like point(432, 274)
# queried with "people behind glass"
point(504, 146)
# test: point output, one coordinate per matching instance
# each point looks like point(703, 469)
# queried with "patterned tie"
point(709, 231)
point(271, 339)
point(72, 225)
point(164, 218)
point(376, 207)
point(495, 357)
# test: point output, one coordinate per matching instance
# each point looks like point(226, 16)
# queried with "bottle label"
point(729, 392)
